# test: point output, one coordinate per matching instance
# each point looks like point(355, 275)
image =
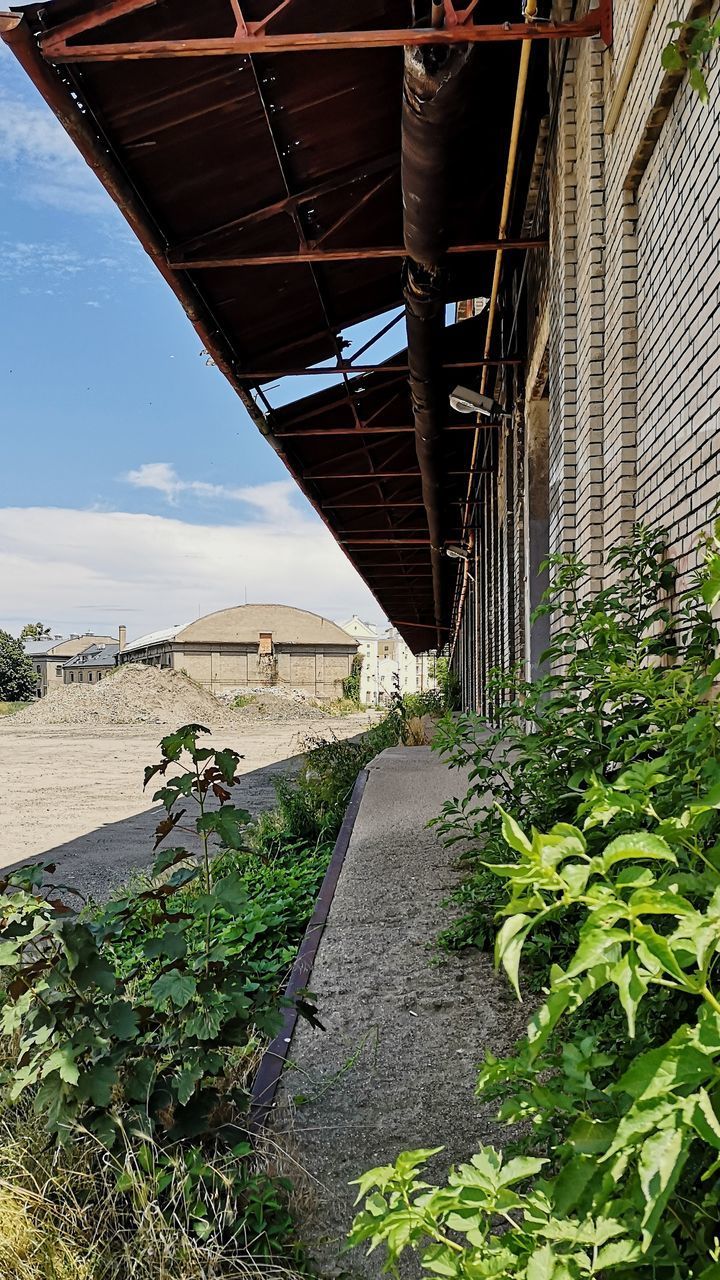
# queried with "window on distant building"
point(72, 675)
point(265, 643)
point(38, 668)
point(58, 671)
point(89, 675)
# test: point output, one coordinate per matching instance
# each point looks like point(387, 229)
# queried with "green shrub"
point(628, 687)
point(616, 911)
point(149, 1041)
point(132, 1031)
point(351, 683)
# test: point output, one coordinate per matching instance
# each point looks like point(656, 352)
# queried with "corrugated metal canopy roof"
point(239, 158)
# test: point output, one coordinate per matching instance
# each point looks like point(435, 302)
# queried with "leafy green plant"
point(617, 904)
point(689, 50)
point(627, 693)
point(351, 683)
point(155, 1041)
point(603, 1210)
point(17, 674)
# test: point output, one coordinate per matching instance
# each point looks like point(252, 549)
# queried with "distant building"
point(388, 662)
point(92, 664)
point(253, 645)
point(49, 657)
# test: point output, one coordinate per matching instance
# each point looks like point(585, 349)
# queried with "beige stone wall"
point(319, 672)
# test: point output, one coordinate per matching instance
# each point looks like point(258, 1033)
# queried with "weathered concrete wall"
point(319, 671)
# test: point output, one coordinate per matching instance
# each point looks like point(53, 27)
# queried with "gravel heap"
point(275, 702)
point(148, 695)
point(133, 695)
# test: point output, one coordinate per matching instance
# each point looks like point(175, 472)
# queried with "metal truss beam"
point(183, 262)
point(56, 48)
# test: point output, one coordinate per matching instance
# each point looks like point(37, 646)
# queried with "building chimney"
point(122, 638)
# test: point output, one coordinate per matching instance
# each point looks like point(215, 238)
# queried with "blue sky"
point(133, 485)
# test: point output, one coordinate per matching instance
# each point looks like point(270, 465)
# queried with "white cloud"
point(44, 165)
point(90, 570)
point(272, 501)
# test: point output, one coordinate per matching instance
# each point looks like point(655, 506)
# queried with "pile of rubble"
point(133, 695)
point(136, 694)
point(274, 702)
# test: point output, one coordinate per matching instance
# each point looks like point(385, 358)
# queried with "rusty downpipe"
point(434, 102)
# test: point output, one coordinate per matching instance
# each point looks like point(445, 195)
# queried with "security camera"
point(464, 400)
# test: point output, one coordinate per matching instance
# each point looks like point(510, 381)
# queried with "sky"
point(133, 486)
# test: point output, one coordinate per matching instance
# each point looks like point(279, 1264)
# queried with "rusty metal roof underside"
point(255, 175)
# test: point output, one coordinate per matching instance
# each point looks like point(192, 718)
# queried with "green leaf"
point(97, 1083)
point(122, 1020)
point(170, 943)
point(175, 988)
point(509, 945)
point(632, 982)
point(513, 835)
point(187, 1081)
point(659, 948)
point(62, 1060)
point(665, 1070)
point(206, 1022)
point(185, 739)
point(597, 946)
point(168, 858)
point(541, 1263)
point(227, 762)
point(661, 1162)
point(699, 84)
point(635, 845)
point(618, 1253)
point(672, 59)
point(232, 893)
point(227, 823)
point(700, 1113)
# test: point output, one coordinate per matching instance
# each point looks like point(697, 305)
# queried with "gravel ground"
point(405, 1027)
point(75, 792)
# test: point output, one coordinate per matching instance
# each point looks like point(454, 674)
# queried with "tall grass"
point(82, 1213)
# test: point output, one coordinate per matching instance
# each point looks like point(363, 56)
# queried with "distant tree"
point(35, 631)
point(17, 675)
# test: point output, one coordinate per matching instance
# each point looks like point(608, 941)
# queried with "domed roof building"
point(252, 645)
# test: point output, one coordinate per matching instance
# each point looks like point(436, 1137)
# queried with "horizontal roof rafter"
point(185, 262)
point(56, 48)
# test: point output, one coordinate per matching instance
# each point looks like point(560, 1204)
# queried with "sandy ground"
point(75, 794)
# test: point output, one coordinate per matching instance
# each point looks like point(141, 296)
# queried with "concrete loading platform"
point(405, 1025)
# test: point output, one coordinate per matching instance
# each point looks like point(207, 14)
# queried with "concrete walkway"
point(405, 1028)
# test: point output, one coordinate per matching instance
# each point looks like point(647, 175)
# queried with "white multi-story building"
point(386, 661)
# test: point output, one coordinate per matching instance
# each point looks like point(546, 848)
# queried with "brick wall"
point(623, 318)
point(634, 351)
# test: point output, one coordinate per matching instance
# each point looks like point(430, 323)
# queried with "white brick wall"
point(634, 293)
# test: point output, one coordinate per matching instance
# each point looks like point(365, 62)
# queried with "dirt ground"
point(74, 793)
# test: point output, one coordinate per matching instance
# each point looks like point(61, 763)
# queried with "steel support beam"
point(183, 262)
point(56, 48)
point(267, 375)
point(362, 430)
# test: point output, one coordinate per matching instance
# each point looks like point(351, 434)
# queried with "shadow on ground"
point(101, 860)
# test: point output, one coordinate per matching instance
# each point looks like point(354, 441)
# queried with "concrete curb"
point(272, 1063)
